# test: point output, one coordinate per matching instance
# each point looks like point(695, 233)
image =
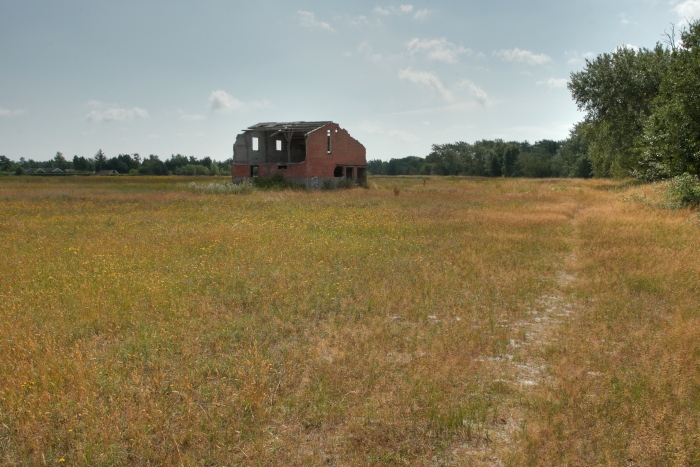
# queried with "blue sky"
point(167, 77)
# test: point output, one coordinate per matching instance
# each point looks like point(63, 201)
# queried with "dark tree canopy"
point(643, 109)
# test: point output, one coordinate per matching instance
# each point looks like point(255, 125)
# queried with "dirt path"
point(524, 366)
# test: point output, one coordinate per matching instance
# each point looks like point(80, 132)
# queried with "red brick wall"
point(240, 171)
point(346, 150)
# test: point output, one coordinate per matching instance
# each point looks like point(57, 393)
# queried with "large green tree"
point(5, 163)
point(60, 161)
point(618, 91)
point(100, 160)
point(671, 139)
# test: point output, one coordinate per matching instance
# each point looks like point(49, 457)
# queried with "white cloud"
point(475, 91)
point(404, 136)
point(189, 117)
point(421, 14)
point(308, 20)
point(362, 20)
point(627, 46)
point(427, 79)
point(455, 107)
point(221, 101)
point(406, 9)
point(373, 128)
point(688, 10)
point(553, 82)
point(104, 112)
point(574, 57)
point(623, 19)
point(11, 113)
point(524, 56)
point(456, 128)
point(437, 49)
point(366, 49)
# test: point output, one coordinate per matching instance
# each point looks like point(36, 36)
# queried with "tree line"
point(132, 164)
point(496, 158)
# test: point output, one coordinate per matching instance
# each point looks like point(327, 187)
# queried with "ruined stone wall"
point(319, 166)
point(345, 150)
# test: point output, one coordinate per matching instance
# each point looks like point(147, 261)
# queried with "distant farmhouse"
point(315, 154)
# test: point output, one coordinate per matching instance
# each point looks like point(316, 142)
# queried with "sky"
point(184, 77)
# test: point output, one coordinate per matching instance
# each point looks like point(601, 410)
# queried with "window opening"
point(338, 172)
point(254, 170)
point(281, 167)
point(329, 141)
point(278, 144)
point(349, 172)
point(255, 143)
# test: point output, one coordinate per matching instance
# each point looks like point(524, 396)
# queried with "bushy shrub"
point(684, 190)
point(276, 182)
point(222, 188)
point(346, 184)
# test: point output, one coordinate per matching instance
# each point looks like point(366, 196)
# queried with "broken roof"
point(304, 127)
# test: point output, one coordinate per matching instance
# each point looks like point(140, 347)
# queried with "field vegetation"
point(423, 321)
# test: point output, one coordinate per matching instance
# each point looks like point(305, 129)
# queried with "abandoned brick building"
point(315, 154)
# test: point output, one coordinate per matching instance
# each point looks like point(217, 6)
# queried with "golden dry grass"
point(464, 322)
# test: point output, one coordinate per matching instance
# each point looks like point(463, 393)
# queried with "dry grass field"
point(461, 322)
